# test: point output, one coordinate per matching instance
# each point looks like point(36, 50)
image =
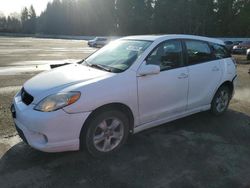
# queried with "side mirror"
point(149, 70)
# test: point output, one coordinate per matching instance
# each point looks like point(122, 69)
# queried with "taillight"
point(234, 61)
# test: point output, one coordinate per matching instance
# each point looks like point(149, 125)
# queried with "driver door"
point(165, 94)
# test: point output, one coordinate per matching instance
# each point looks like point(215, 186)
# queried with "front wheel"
point(221, 101)
point(106, 132)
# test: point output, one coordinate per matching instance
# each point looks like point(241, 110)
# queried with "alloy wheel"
point(108, 134)
point(222, 101)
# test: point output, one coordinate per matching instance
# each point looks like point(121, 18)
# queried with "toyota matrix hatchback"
point(130, 85)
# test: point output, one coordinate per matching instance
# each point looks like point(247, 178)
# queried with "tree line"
point(24, 24)
point(127, 17)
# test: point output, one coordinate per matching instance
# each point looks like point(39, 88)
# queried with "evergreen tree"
point(32, 20)
point(3, 24)
point(134, 16)
point(24, 19)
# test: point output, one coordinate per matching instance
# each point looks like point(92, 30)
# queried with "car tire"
point(105, 133)
point(221, 101)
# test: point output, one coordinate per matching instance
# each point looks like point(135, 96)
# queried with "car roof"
point(172, 36)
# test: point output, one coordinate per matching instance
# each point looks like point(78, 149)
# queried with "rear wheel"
point(105, 133)
point(221, 101)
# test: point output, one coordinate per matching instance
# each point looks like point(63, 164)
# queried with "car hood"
point(62, 77)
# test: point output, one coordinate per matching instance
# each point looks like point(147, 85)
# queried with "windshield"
point(117, 56)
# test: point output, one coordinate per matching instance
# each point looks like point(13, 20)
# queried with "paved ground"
point(197, 151)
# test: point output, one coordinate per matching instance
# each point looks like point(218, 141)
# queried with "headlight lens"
point(57, 101)
point(235, 47)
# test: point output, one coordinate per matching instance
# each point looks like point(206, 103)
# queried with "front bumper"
point(48, 131)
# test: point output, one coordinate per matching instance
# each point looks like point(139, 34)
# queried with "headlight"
point(57, 101)
point(235, 47)
point(248, 51)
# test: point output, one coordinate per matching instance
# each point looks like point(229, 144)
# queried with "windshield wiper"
point(101, 67)
point(80, 62)
point(98, 66)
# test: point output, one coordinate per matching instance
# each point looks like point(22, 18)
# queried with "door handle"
point(215, 69)
point(183, 76)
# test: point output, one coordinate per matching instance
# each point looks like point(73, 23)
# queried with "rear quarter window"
point(220, 51)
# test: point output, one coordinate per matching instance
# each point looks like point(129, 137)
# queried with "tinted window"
point(167, 55)
point(198, 52)
point(220, 52)
point(228, 42)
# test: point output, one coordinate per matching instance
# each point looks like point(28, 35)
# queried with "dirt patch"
point(7, 142)
point(6, 121)
point(196, 151)
point(14, 80)
point(241, 59)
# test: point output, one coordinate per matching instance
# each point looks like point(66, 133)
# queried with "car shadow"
point(191, 152)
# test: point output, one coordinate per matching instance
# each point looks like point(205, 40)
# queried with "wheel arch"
point(112, 106)
point(228, 84)
point(214, 110)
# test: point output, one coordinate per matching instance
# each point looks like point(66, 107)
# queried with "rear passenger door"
point(204, 73)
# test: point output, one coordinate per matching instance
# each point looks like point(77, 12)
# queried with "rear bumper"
point(49, 132)
point(235, 79)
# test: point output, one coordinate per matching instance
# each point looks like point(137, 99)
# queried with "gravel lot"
point(197, 151)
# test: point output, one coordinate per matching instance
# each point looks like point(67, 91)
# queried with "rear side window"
point(220, 51)
point(198, 52)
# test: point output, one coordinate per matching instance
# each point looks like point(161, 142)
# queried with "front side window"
point(168, 55)
point(220, 52)
point(118, 56)
point(198, 52)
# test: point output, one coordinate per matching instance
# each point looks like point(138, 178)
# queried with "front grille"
point(26, 97)
point(20, 133)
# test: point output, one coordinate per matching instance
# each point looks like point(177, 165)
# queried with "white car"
point(98, 42)
point(130, 85)
point(248, 54)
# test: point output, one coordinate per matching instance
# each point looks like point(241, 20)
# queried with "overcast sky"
point(10, 6)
